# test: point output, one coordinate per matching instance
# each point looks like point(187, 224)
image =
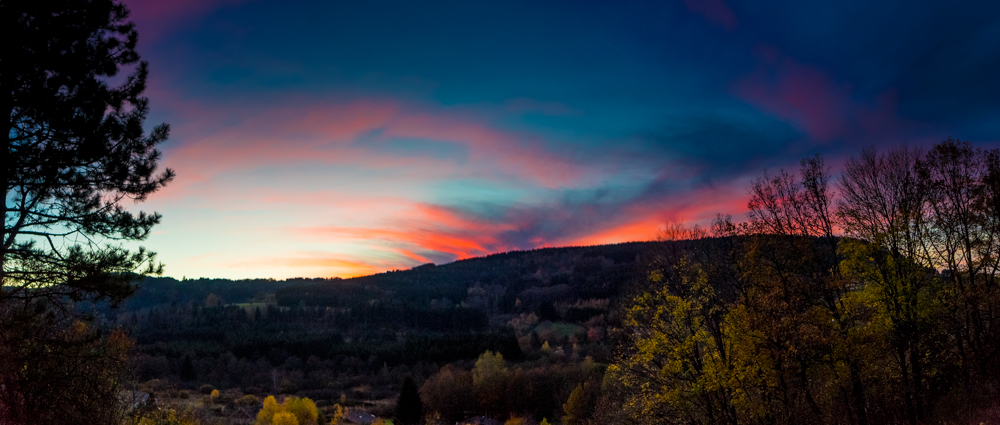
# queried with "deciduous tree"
point(882, 206)
point(489, 382)
point(302, 410)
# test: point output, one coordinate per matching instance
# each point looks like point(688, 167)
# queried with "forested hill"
point(354, 340)
point(495, 283)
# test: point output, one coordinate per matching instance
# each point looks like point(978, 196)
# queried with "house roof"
point(480, 420)
point(359, 417)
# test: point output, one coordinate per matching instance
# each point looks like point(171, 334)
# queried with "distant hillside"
point(494, 282)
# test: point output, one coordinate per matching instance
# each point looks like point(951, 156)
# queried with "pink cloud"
point(217, 140)
point(377, 222)
point(808, 96)
point(279, 135)
point(716, 12)
point(522, 153)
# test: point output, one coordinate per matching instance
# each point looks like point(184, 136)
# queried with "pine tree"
point(187, 370)
point(74, 150)
point(409, 407)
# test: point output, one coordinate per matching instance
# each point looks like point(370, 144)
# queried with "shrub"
point(303, 410)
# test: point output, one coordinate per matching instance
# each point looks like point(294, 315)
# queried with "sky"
point(334, 138)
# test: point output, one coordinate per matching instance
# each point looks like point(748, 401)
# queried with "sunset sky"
point(335, 138)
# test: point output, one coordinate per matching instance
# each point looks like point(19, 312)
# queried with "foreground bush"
point(291, 411)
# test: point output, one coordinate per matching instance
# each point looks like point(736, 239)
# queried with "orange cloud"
point(336, 267)
point(309, 264)
point(425, 229)
point(639, 230)
point(440, 241)
point(421, 232)
point(644, 220)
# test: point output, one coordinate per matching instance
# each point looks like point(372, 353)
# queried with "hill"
point(355, 339)
point(494, 284)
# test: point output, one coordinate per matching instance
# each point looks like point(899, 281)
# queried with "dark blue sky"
point(342, 138)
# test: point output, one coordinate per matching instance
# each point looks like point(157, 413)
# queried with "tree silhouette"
point(409, 408)
point(74, 150)
point(187, 370)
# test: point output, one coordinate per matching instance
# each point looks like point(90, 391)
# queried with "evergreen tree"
point(187, 370)
point(74, 150)
point(409, 407)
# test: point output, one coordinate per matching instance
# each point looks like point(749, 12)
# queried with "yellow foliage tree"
point(677, 367)
point(168, 417)
point(514, 420)
point(302, 410)
point(576, 407)
point(488, 366)
point(338, 414)
point(489, 377)
point(284, 418)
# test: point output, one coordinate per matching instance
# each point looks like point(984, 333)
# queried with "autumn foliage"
point(291, 411)
point(871, 298)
